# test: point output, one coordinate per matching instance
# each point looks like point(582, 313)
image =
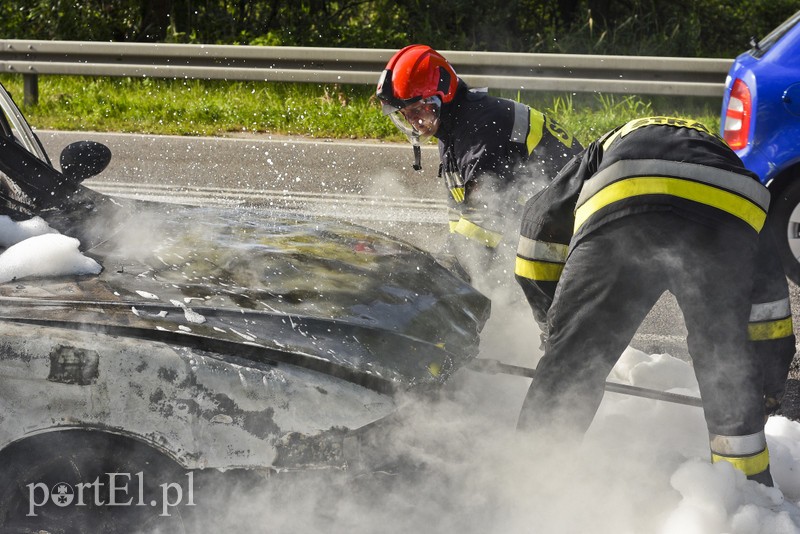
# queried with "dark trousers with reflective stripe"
point(774, 347)
point(611, 280)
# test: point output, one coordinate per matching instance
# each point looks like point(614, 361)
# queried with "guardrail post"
point(30, 84)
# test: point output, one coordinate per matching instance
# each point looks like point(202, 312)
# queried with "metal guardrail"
point(496, 70)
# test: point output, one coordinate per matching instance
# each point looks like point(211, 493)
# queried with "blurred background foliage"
point(689, 28)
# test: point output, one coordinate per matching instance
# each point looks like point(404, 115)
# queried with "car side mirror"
point(84, 159)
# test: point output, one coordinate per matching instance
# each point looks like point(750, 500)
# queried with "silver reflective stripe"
point(542, 250)
point(738, 445)
point(769, 311)
point(453, 180)
point(731, 181)
point(521, 123)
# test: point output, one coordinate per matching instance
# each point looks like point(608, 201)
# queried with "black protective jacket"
point(666, 165)
point(495, 153)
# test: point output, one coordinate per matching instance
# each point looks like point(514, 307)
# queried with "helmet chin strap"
point(417, 153)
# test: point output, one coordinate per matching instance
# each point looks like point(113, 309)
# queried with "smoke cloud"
point(456, 463)
point(460, 466)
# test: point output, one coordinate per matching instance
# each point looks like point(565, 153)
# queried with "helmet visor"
point(420, 119)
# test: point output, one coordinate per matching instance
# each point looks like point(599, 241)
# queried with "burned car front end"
point(211, 340)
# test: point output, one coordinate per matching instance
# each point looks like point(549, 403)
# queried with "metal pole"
point(494, 367)
point(30, 83)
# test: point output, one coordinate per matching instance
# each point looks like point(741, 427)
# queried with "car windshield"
point(775, 35)
point(14, 126)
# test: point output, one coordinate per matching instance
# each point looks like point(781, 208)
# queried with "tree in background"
point(712, 28)
point(87, 20)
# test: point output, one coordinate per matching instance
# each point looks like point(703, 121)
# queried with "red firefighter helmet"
point(414, 73)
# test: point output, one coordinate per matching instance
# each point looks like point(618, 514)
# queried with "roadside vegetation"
point(209, 108)
point(678, 28)
point(711, 28)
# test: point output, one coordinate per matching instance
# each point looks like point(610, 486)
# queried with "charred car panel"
point(200, 409)
point(222, 338)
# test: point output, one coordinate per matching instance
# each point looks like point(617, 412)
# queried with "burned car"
point(212, 340)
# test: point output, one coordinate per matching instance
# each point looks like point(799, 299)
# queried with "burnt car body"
point(213, 339)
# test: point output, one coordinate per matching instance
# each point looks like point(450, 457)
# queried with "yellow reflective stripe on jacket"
point(528, 126)
point(453, 216)
point(535, 131)
point(539, 271)
point(735, 182)
point(541, 261)
point(770, 330)
point(472, 231)
point(712, 196)
point(650, 121)
point(559, 132)
point(458, 194)
point(750, 465)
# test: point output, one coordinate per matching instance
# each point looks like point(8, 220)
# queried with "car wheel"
point(59, 482)
point(784, 220)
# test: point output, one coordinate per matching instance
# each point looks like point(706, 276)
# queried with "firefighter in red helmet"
point(494, 153)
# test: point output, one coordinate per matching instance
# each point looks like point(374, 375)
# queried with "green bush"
point(711, 28)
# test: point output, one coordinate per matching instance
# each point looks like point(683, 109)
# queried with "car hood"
point(322, 294)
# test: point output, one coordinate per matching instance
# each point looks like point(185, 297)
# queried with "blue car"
point(761, 122)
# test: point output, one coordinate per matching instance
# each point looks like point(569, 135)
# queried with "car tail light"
point(737, 116)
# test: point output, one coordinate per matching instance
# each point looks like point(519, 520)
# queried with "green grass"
point(194, 107)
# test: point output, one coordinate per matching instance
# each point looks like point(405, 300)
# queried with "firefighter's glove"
point(774, 388)
point(771, 405)
point(544, 332)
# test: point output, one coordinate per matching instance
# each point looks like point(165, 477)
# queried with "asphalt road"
point(370, 183)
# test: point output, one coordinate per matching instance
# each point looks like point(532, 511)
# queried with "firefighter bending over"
point(494, 153)
point(659, 204)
